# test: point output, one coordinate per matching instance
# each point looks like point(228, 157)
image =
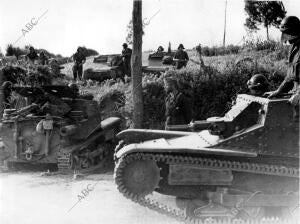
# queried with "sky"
point(101, 24)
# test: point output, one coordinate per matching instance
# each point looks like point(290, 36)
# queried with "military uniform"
point(7, 90)
point(290, 29)
point(178, 109)
point(293, 78)
point(183, 58)
point(79, 59)
point(32, 56)
point(43, 59)
point(126, 54)
point(293, 69)
point(52, 104)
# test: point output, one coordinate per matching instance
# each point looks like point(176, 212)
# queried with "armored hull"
point(245, 164)
point(76, 139)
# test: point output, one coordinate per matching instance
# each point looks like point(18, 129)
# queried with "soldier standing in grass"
point(79, 59)
point(43, 58)
point(32, 55)
point(181, 57)
point(178, 105)
point(126, 57)
point(290, 28)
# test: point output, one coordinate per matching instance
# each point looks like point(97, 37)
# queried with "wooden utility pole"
point(136, 64)
point(224, 37)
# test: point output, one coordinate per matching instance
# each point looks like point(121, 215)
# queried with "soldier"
point(49, 103)
point(258, 85)
point(126, 56)
point(160, 50)
point(43, 58)
point(79, 59)
point(290, 28)
point(181, 57)
point(7, 88)
point(32, 55)
point(178, 106)
point(76, 95)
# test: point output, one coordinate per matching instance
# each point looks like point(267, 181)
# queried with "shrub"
point(14, 51)
point(216, 51)
point(89, 52)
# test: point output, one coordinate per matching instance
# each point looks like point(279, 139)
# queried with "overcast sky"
point(101, 24)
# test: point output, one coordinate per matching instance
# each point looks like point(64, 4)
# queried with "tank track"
point(65, 160)
point(179, 214)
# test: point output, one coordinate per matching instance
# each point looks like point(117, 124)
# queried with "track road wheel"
point(141, 176)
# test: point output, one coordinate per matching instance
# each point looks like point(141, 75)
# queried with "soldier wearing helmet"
point(7, 88)
point(32, 56)
point(76, 95)
point(178, 105)
point(75, 90)
point(79, 59)
point(181, 57)
point(126, 57)
point(258, 85)
point(290, 28)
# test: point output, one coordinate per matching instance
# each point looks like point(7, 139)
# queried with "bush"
point(251, 45)
point(14, 51)
point(216, 51)
point(89, 52)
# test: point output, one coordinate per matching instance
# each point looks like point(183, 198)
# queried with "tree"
point(14, 51)
point(266, 13)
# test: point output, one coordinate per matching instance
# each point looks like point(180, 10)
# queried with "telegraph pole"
point(136, 64)
point(224, 37)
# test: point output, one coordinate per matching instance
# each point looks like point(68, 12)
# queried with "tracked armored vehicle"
point(112, 67)
point(245, 164)
point(76, 139)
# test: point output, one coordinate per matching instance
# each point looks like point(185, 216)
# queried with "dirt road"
point(29, 198)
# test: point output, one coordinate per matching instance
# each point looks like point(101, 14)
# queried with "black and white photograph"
point(149, 111)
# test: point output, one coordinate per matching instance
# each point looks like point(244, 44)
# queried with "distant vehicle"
point(112, 67)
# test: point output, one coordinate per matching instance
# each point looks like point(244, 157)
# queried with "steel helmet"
point(74, 87)
point(7, 85)
point(290, 28)
point(258, 84)
point(181, 46)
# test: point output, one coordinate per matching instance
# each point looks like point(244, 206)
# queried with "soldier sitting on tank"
point(258, 85)
point(48, 103)
point(178, 106)
point(290, 28)
point(160, 51)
